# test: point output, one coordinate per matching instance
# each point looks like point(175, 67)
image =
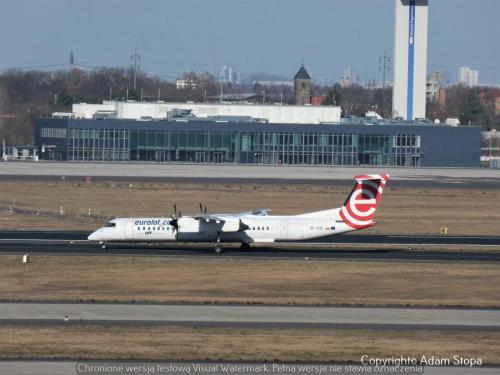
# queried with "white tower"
point(410, 59)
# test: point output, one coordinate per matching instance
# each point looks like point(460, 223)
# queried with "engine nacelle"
point(188, 225)
point(231, 225)
point(192, 225)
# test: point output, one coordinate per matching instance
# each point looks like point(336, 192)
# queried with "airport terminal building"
point(252, 142)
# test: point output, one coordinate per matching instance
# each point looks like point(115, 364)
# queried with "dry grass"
point(184, 343)
point(229, 280)
point(403, 210)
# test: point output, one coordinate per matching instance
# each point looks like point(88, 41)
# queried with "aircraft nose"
point(94, 236)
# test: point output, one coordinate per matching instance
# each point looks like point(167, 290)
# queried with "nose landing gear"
point(103, 245)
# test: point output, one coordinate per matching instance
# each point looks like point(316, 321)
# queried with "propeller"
point(175, 220)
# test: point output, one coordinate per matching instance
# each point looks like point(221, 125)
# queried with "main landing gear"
point(103, 245)
point(217, 246)
point(218, 249)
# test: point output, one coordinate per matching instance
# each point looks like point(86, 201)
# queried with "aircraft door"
point(129, 230)
point(284, 230)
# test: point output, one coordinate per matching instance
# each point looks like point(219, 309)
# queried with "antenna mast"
point(135, 60)
point(385, 67)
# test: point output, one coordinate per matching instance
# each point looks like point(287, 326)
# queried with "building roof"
point(302, 74)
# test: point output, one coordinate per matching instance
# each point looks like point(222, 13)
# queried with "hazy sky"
point(253, 35)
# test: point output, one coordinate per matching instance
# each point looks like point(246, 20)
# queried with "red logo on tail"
point(359, 208)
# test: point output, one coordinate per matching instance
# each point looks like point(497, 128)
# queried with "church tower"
point(302, 86)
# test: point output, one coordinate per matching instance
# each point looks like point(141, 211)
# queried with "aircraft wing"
point(210, 218)
point(258, 212)
point(221, 218)
point(261, 211)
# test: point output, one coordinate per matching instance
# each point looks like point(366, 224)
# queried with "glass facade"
point(306, 148)
point(53, 132)
point(98, 144)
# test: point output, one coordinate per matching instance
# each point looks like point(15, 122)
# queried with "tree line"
point(27, 95)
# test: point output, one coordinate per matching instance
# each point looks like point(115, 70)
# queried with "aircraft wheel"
point(104, 246)
point(218, 249)
point(245, 246)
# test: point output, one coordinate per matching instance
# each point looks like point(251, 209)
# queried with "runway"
point(74, 243)
point(474, 178)
point(343, 239)
point(249, 316)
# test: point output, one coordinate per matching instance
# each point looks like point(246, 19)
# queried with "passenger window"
point(267, 228)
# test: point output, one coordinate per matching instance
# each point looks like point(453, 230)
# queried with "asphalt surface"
point(249, 316)
point(476, 178)
point(443, 182)
point(342, 239)
point(74, 243)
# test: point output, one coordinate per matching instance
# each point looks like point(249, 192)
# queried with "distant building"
point(273, 83)
point(433, 85)
point(370, 141)
point(348, 78)
point(24, 152)
point(467, 76)
point(131, 110)
point(497, 105)
point(318, 99)
point(182, 84)
point(227, 74)
point(442, 99)
point(302, 87)
point(410, 59)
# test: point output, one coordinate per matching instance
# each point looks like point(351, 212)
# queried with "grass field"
point(402, 210)
point(186, 343)
point(230, 280)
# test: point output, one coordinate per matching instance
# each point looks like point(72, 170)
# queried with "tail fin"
point(359, 208)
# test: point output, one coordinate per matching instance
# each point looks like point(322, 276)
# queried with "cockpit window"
point(109, 225)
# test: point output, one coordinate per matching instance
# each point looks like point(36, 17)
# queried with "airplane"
point(250, 227)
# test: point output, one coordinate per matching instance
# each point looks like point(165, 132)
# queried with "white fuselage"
point(261, 229)
point(252, 226)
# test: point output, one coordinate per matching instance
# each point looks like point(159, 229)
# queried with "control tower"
point(410, 59)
